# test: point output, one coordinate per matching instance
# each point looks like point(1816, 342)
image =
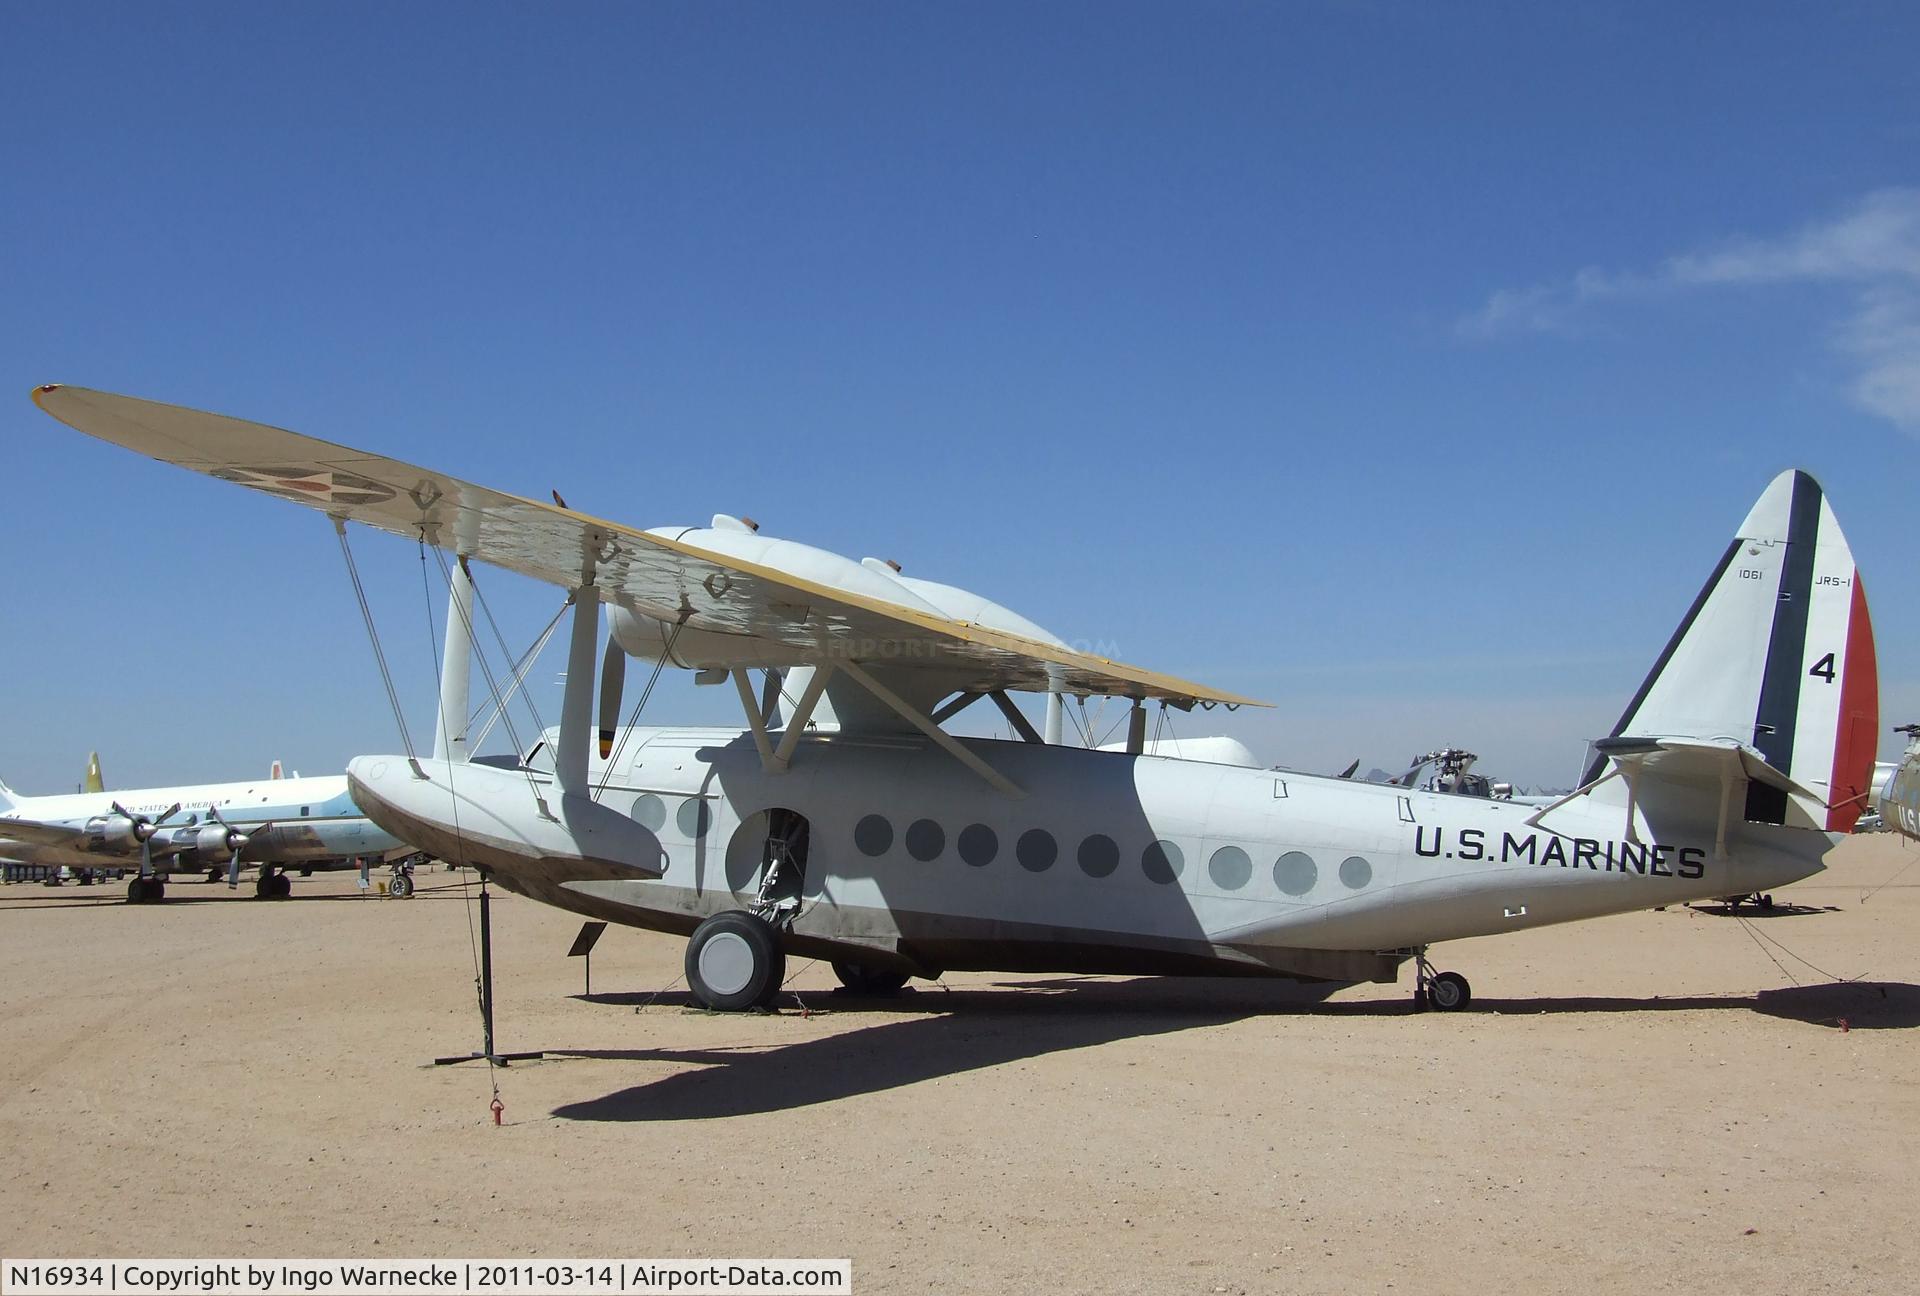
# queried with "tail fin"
point(1776, 655)
point(95, 781)
point(8, 800)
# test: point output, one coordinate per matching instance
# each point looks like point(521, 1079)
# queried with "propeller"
point(231, 839)
point(613, 679)
point(143, 827)
point(770, 699)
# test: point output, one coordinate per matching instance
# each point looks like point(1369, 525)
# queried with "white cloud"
point(1872, 250)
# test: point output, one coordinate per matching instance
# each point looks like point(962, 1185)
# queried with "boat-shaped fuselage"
point(1111, 862)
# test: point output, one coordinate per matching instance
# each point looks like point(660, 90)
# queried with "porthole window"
point(1355, 872)
point(1036, 850)
point(1099, 856)
point(1162, 861)
point(650, 812)
point(873, 835)
point(693, 818)
point(1230, 868)
point(978, 845)
point(1295, 873)
point(925, 840)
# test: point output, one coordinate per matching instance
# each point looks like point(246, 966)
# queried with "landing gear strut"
point(1440, 991)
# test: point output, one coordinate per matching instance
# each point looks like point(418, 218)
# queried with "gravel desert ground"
point(1669, 1101)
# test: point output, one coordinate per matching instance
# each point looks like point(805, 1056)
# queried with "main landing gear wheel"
point(273, 886)
point(1441, 991)
point(146, 891)
point(1449, 992)
point(865, 980)
point(401, 885)
point(734, 961)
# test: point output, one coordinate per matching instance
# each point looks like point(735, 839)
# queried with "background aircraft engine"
point(215, 841)
point(113, 833)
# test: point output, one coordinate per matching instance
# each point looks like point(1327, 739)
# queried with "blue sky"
point(1405, 365)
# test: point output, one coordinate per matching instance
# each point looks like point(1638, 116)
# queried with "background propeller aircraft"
point(272, 824)
point(848, 824)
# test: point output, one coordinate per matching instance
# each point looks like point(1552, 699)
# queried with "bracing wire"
point(373, 637)
point(506, 653)
point(486, 668)
point(445, 742)
point(613, 759)
point(516, 678)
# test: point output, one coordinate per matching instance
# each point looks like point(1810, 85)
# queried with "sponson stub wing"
point(730, 591)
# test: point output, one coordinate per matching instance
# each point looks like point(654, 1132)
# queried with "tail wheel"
point(1449, 992)
point(862, 978)
point(734, 961)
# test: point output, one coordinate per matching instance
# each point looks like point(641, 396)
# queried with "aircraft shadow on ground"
point(1859, 1005)
point(1754, 911)
point(928, 1034)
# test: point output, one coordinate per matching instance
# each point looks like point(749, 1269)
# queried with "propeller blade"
point(770, 699)
point(613, 680)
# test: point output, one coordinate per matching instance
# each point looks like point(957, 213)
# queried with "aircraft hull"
point(1110, 863)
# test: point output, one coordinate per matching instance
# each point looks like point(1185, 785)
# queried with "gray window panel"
point(1355, 872)
point(1162, 861)
point(978, 845)
point(925, 840)
point(873, 835)
point(1295, 873)
point(1099, 857)
point(1036, 850)
point(650, 812)
point(1230, 868)
point(693, 818)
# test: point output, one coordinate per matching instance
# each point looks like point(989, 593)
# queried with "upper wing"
point(652, 573)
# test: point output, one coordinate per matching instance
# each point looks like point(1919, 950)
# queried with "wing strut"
point(993, 777)
point(576, 704)
point(802, 713)
point(777, 760)
point(1021, 725)
point(756, 718)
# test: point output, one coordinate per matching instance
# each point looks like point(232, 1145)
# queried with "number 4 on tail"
point(1824, 668)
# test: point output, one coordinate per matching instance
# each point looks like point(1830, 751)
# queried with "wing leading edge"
point(651, 573)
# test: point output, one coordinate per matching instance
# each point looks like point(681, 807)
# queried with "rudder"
point(1777, 654)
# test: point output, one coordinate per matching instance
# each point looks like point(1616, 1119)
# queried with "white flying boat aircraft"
point(857, 830)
